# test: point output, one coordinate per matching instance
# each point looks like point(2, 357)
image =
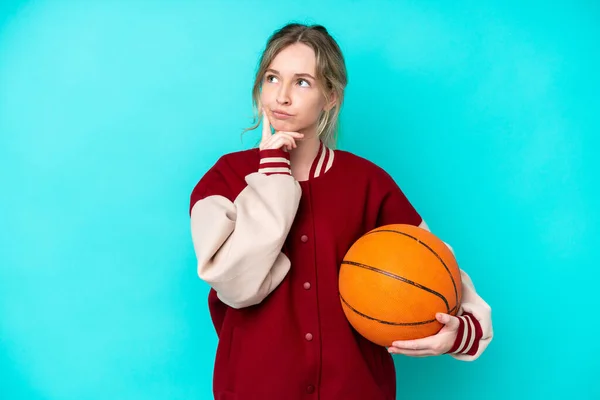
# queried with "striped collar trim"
point(322, 162)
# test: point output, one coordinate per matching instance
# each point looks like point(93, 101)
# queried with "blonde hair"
point(331, 72)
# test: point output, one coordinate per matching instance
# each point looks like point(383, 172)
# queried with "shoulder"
point(238, 161)
point(360, 166)
point(226, 177)
point(386, 196)
point(234, 164)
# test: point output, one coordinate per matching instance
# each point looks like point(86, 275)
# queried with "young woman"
point(270, 227)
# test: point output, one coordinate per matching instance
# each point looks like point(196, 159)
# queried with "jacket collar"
point(322, 162)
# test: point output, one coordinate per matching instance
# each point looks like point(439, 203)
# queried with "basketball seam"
point(430, 249)
point(400, 278)
point(381, 321)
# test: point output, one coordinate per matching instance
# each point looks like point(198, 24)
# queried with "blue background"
point(487, 115)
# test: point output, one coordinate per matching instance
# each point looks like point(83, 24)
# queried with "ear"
point(332, 101)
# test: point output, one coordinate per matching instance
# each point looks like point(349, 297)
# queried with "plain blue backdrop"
point(487, 115)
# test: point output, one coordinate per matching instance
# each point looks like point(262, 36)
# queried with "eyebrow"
point(303, 74)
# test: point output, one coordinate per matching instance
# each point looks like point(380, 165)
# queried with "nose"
point(283, 95)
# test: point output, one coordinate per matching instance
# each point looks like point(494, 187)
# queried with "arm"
point(475, 331)
point(238, 241)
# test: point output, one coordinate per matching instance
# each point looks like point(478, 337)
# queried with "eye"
point(305, 81)
point(269, 78)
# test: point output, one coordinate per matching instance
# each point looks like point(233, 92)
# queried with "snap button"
point(310, 389)
point(308, 336)
point(306, 285)
point(304, 238)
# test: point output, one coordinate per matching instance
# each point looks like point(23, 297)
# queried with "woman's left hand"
point(435, 345)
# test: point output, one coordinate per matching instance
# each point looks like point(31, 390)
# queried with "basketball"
point(393, 281)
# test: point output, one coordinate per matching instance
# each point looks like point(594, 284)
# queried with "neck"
point(302, 157)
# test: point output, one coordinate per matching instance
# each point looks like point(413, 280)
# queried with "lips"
point(281, 114)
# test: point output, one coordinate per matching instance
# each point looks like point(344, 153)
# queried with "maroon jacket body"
point(270, 247)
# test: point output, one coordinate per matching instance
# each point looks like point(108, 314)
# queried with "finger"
point(272, 141)
point(291, 136)
point(265, 144)
point(427, 343)
point(450, 321)
point(287, 138)
point(412, 353)
point(296, 135)
point(266, 128)
point(279, 141)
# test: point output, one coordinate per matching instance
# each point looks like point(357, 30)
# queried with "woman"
point(270, 227)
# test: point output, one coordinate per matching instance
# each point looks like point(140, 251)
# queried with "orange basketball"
point(394, 279)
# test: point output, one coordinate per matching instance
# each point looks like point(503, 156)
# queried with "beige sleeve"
point(238, 245)
point(472, 303)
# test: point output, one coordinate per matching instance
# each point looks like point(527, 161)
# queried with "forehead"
point(297, 58)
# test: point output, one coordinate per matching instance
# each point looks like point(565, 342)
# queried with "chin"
point(285, 126)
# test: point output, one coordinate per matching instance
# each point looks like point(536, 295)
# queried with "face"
point(290, 93)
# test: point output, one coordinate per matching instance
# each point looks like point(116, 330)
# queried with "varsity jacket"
point(270, 248)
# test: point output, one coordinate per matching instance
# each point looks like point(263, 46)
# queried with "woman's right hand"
point(279, 139)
